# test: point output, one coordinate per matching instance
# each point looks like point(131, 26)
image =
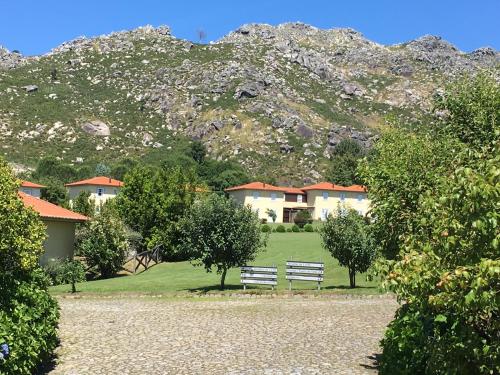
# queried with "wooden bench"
point(259, 275)
point(304, 271)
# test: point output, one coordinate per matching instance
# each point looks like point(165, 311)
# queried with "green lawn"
point(173, 278)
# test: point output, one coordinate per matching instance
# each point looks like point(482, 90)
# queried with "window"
point(299, 198)
point(360, 197)
point(342, 196)
point(100, 191)
point(325, 195)
point(256, 195)
point(27, 191)
point(324, 213)
point(273, 196)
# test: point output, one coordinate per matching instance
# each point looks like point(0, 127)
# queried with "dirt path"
point(236, 336)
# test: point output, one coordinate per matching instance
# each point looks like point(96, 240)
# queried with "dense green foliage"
point(344, 163)
point(280, 229)
point(28, 314)
point(104, 244)
point(446, 267)
point(84, 204)
point(308, 228)
point(219, 233)
point(302, 218)
point(272, 214)
point(54, 192)
point(152, 202)
point(264, 228)
point(348, 238)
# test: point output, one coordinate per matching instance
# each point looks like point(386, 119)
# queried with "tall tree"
point(344, 163)
point(219, 233)
point(347, 237)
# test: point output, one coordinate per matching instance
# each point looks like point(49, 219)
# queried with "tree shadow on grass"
point(347, 287)
point(215, 287)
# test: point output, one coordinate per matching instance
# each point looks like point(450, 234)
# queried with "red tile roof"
point(257, 186)
point(101, 181)
point(31, 185)
point(332, 187)
point(48, 210)
point(293, 190)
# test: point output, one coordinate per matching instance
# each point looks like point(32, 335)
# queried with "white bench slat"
point(303, 270)
point(304, 278)
point(259, 269)
point(305, 264)
point(253, 281)
point(258, 276)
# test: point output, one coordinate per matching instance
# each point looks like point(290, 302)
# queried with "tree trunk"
point(352, 278)
point(73, 287)
point(223, 278)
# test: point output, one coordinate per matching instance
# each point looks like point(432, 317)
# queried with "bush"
point(308, 228)
point(71, 272)
point(105, 244)
point(295, 228)
point(280, 229)
point(265, 228)
point(289, 229)
point(302, 218)
point(28, 321)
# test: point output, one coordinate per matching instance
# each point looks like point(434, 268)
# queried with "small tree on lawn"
point(302, 218)
point(104, 244)
point(72, 272)
point(272, 214)
point(347, 238)
point(219, 233)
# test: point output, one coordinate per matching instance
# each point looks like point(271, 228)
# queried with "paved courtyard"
point(209, 336)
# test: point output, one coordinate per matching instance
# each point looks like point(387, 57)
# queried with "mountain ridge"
point(277, 99)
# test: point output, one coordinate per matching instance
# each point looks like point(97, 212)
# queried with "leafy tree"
point(54, 192)
point(152, 202)
point(118, 171)
point(102, 169)
point(84, 204)
point(302, 218)
point(105, 244)
point(220, 175)
point(272, 214)
point(472, 109)
point(219, 233)
point(28, 314)
point(72, 272)
point(54, 169)
point(198, 151)
point(404, 167)
point(347, 237)
point(344, 163)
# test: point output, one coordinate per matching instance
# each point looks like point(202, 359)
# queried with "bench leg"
point(290, 285)
point(244, 286)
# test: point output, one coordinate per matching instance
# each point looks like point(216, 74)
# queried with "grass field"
point(171, 278)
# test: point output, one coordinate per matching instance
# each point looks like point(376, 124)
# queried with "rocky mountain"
point(275, 98)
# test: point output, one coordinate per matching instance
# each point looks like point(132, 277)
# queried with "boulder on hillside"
point(96, 127)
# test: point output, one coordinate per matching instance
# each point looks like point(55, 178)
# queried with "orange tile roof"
point(101, 181)
point(48, 210)
point(294, 190)
point(332, 187)
point(257, 186)
point(31, 185)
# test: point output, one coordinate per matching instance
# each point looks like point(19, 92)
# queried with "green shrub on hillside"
point(280, 229)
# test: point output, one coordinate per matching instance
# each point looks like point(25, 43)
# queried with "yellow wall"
point(263, 202)
point(109, 192)
point(60, 241)
point(315, 198)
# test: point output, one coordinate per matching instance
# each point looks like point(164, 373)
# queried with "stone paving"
point(221, 336)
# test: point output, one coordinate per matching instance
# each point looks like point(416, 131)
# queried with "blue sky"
point(36, 26)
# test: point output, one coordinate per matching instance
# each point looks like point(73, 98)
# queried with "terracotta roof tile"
point(48, 210)
point(257, 186)
point(101, 181)
point(293, 190)
point(28, 184)
point(332, 187)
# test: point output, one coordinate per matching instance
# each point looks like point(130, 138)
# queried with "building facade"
point(60, 228)
point(320, 199)
point(100, 188)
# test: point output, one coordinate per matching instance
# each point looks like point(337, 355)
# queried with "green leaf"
point(440, 318)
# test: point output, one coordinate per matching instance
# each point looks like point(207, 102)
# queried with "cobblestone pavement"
point(225, 336)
